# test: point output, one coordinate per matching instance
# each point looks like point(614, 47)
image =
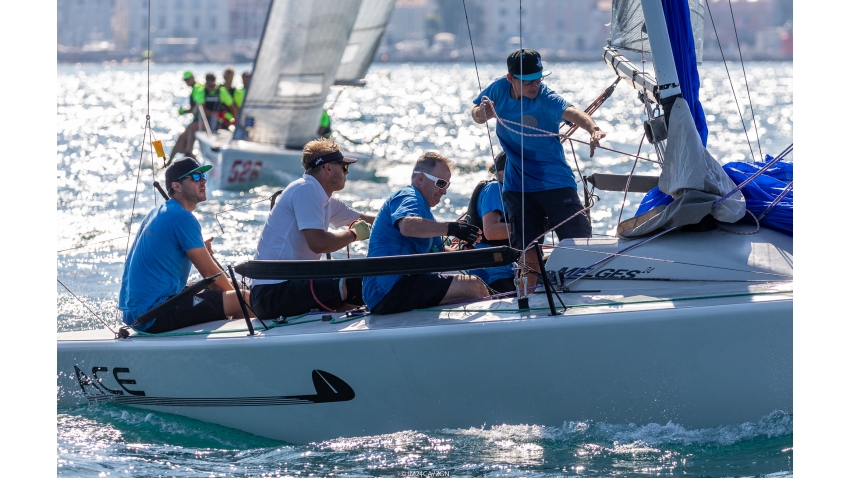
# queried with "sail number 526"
point(242, 171)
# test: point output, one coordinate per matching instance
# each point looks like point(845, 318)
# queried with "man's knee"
point(468, 286)
point(232, 307)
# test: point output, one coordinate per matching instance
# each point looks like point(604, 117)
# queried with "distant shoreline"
point(137, 61)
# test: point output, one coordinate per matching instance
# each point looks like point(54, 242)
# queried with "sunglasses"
point(439, 182)
point(531, 82)
point(196, 177)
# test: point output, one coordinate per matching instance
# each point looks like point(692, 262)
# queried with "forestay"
point(298, 58)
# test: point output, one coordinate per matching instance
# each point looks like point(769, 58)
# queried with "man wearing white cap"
point(297, 229)
point(536, 165)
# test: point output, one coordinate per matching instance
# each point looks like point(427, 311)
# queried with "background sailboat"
point(306, 47)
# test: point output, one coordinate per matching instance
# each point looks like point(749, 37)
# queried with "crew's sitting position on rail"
point(405, 225)
point(297, 229)
point(168, 244)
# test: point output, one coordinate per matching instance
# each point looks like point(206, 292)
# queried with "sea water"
point(105, 190)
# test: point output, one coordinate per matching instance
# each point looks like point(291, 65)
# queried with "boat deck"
point(591, 297)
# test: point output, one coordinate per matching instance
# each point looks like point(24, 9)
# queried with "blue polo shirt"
point(543, 160)
point(157, 266)
point(489, 200)
point(387, 239)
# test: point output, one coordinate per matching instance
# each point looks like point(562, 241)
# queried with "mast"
point(662, 55)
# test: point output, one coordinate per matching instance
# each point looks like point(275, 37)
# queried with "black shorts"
point(295, 297)
point(554, 204)
point(205, 306)
point(417, 291)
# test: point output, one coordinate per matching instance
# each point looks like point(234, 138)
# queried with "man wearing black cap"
point(536, 165)
point(297, 229)
point(168, 244)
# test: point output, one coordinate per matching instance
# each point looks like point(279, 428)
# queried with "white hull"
point(241, 165)
point(697, 353)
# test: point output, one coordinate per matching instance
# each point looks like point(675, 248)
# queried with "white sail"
point(628, 33)
point(365, 36)
point(301, 49)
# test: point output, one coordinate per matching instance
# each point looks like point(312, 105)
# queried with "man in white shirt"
point(297, 229)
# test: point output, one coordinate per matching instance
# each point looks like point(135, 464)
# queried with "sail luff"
point(296, 64)
point(365, 36)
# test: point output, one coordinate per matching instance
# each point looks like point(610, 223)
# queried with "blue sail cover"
point(759, 194)
point(678, 17)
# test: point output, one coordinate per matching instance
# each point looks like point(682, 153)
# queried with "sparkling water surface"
point(105, 188)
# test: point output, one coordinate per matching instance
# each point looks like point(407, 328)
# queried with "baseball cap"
point(528, 62)
point(500, 161)
point(333, 157)
point(183, 167)
point(188, 74)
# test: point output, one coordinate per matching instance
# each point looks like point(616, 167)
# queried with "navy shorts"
point(418, 291)
point(205, 306)
point(295, 297)
point(554, 204)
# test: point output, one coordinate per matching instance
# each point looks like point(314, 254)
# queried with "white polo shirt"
point(302, 205)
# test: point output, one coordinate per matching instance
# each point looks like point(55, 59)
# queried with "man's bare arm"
point(585, 122)
point(320, 241)
point(421, 227)
point(203, 262)
point(493, 228)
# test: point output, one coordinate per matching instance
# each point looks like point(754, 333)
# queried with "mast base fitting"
point(655, 129)
point(522, 303)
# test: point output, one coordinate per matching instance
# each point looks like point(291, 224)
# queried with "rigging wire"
point(522, 161)
point(629, 180)
point(86, 306)
point(731, 85)
point(144, 137)
point(746, 83)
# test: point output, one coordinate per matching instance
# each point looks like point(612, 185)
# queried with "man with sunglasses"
point(405, 225)
point(297, 229)
point(167, 245)
point(536, 165)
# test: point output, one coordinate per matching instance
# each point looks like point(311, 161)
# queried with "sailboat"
point(690, 327)
point(305, 48)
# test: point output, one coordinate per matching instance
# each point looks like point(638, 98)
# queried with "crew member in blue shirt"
point(488, 211)
point(405, 225)
point(168, 244)
point(536, 165)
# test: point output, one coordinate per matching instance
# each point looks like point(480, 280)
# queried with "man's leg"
point(465, 287)
point(190, 137)
point(561, 205)
point(231, 304)
point(526, 220)
point(178, 146)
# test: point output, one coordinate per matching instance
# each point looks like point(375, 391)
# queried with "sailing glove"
point(465, 232)
point(362, 229)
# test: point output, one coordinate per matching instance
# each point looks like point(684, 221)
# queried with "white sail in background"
point(627, 30)
point(365, 36)
point(302, 45)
